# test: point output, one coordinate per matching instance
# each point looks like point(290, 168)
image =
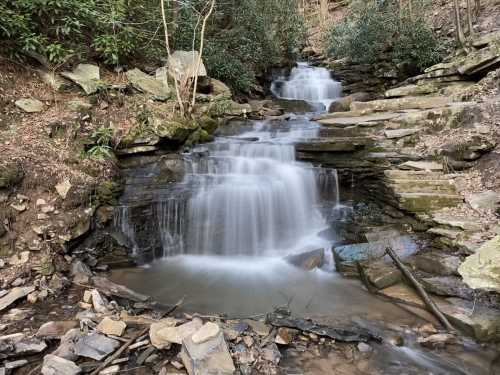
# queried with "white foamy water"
point(310, 84)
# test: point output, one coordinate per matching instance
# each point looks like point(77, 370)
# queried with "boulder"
point(448, 286)
point(440, 264)
point(207, 357)
point(15, 294)
point(207, 332)
point(381, 275)
point(184, 64)
point(54, 365)
point(480, 60)
point(481, 270)
point(344, 104)
point(148, 84)
point(86, 76)
point(96, 346)
point(173, 131)
point(220, 88)
point(237, 109)
point(164, 333)
point(308, 260)
point(30, 105)
point(486, 200)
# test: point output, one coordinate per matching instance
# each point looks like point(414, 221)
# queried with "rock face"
point(86, 76)
point(482, 269)
point(54, 365)
point(30, 105)
point(183, 65)
point(209, 356)
point(145, 83)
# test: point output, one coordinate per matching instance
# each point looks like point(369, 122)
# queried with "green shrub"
point(378, 29)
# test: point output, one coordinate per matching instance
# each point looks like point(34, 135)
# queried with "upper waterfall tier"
point(308, 83)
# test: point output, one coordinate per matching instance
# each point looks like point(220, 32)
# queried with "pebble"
point(364, 348)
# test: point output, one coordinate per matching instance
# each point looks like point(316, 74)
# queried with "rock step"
point(428, 186)
point(424, 202)
point(339, 144)
point(414, 175)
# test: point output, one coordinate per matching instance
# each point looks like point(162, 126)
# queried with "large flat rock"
point(373, 119)
point(431, 166)
point(15, 294)
point(398, 104)
point(148, 84)
point(333, 145)
point(426, 202)
point(86, 76)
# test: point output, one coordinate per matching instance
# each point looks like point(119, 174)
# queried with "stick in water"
point(421, 291)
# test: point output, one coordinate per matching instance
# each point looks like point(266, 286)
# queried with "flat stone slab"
point(148, 84)
point(488, 200)
point(30, 105)
point(454, 222)
point(431, 166)
point(438, 263)
point(96, 346)
point(86, 76)
point(373, 119)
point(412, 102)
point(409, 90)
point(425, 202)
point(54, 365)
point(333, 145)
point(15, 294)
point(400, 133)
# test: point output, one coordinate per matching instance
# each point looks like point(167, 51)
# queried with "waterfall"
point(308, 83)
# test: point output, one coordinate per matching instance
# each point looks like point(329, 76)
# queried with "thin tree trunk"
point(469, 18)
point(458, 25)
point(477, 8)
point(323, 12)
point(200, 52)
point(167, 46)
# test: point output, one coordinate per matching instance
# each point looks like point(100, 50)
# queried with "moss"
point(108, 192)
point(199, 136)
point(208, 123)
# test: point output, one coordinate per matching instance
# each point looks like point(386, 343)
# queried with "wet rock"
point(438, 263)
point(55, 330)
point(164, 333)
point(382, 275)
point(96, 346)
point(207, 357)
point(395, 340)
point(449, 286)
point(350, 333)
point(113, 289)
point(30, 105)
point(86, 76)
point(489, 200)
point(271, 353)
point(15, 294)
point(284, 336)
point(184, 65)
point(346, 256)
point(148, 84)
point(308, 260)
point(481, 270)
point(63, 188)
point(112, 327)
point(54, 365)
point(438, 340)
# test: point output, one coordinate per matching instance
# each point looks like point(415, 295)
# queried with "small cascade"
point(171, 219)
point(328, 185)
point(308, 83)
point(122, 222)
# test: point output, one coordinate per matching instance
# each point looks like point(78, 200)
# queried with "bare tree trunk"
point(477, 8)
point(469, 18)
point(458, 25)
point(323, 12)
point(200, 52)
point(167, 46)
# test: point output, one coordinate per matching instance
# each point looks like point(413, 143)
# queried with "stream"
point(244, 203)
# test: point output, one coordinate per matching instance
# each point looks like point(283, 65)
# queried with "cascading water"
point(308, 83)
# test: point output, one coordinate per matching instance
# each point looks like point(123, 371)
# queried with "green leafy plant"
point(101, 143)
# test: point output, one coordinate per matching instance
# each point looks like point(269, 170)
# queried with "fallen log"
point(351, 333)
point(431, 305)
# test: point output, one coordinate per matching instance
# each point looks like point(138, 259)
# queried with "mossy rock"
point(174, 131)
point(10, 175)
point(107, 193)
point(208, 123)
point(199, 136)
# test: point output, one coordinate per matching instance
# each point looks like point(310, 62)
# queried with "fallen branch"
point(120, 351)
point(420, 290)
